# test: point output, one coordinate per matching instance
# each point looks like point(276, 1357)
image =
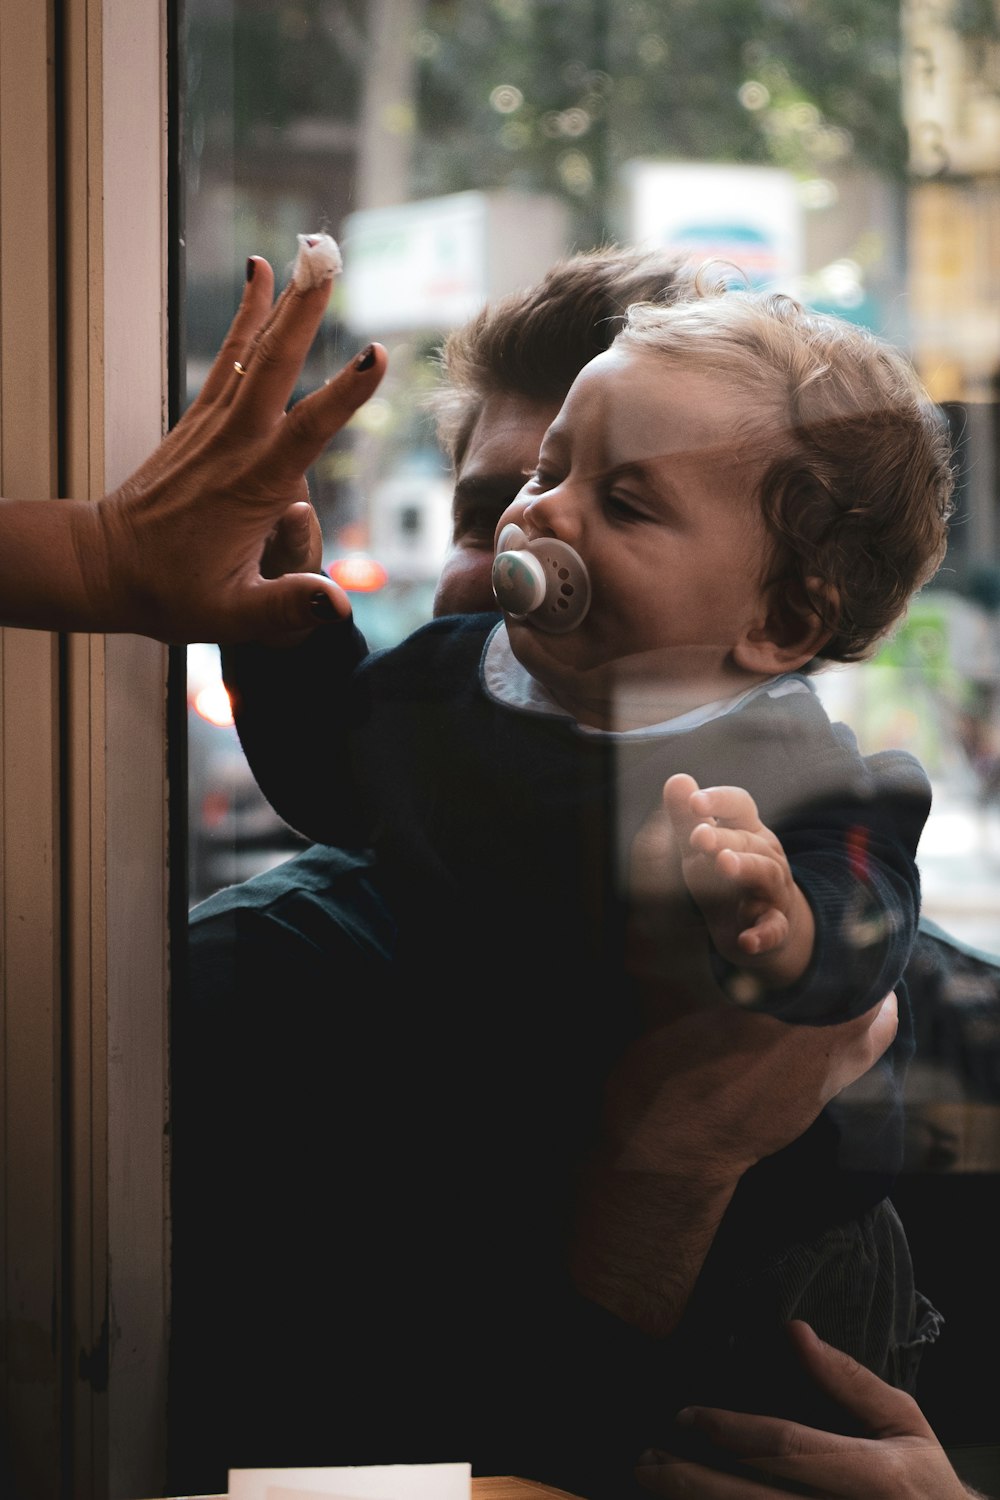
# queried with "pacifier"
point(543, 579)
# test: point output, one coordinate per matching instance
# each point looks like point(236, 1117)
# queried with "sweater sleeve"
point(293, 712)
point(854, 858)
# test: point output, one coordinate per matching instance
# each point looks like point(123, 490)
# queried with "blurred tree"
point(556, 94)
point(548, 95)
point(300, 111)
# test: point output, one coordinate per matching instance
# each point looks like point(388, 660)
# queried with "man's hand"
point(690, 1107)
point(717, 1090)
point(901, 1459)
point(737, 873)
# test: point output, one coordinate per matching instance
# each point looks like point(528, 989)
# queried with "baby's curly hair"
point(857, 463)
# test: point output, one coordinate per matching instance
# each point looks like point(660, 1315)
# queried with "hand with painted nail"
point(898, 1458)
point(214, 537)
point(739, 877)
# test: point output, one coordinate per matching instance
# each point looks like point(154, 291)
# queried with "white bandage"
point(318, 260)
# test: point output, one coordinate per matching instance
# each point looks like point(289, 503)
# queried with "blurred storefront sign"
point(751, 216)
point(433, 263)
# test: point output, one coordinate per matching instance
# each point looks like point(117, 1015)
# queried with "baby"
point(757, 489)
point(736, 491)
point(626, 795)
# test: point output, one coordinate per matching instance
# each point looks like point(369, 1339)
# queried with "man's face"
point(501, 453)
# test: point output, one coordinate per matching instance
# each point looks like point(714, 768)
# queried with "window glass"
point(846, 152)
point(454, 150)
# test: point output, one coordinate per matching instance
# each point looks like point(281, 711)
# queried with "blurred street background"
point(845, 150)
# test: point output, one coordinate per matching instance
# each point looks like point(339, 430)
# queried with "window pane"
point(846, 153)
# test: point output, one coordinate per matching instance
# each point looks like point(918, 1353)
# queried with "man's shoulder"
point(317, 876)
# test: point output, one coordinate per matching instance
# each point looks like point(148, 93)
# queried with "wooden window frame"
point(83, 765)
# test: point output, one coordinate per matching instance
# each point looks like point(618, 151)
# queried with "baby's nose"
point(553, 514)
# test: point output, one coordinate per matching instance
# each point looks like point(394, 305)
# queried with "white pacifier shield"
point(543, 579)
point(518, 582)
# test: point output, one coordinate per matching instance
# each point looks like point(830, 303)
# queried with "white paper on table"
point(363, 1482)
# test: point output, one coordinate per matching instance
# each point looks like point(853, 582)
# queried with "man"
point(348, 1218)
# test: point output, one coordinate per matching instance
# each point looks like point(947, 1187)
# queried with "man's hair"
point(534, 343)
point(856, 460)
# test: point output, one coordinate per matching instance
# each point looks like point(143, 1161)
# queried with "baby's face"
point(642, 472)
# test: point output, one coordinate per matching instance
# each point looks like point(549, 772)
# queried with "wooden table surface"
point(504, 1487)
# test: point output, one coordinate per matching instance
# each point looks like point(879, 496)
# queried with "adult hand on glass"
point(899, 1459)
point(178, 551)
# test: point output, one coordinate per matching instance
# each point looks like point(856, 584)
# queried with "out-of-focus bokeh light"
point(505, 98)
point(753, 95)
point(358, 573)
point(212, 703)
point(575, 172)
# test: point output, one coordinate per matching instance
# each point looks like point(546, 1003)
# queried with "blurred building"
point(951, 94)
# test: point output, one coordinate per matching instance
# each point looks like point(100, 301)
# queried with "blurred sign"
point(748, 215)
point(432, 264)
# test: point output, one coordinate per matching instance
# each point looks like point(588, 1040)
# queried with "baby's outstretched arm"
point(737, 873)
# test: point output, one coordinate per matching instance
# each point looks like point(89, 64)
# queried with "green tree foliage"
point(553, 95)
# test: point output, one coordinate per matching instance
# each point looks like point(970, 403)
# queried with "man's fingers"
point(883, 1410)
point(679, 1478)
point(858, 1044)
point(882, 1032)
point(251, 314)
point(763, 1440)
point(312, 422)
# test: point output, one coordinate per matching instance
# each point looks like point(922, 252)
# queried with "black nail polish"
point(322, 606)
point(251, 267)
point(366, 358)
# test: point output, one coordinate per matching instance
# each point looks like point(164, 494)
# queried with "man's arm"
point(689, 1109)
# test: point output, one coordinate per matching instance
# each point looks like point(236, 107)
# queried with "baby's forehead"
point(640, 368)
point(636, 403)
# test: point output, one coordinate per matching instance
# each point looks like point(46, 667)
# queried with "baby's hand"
point(738, 875)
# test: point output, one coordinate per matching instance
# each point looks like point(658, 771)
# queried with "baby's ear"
point(799, 621)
